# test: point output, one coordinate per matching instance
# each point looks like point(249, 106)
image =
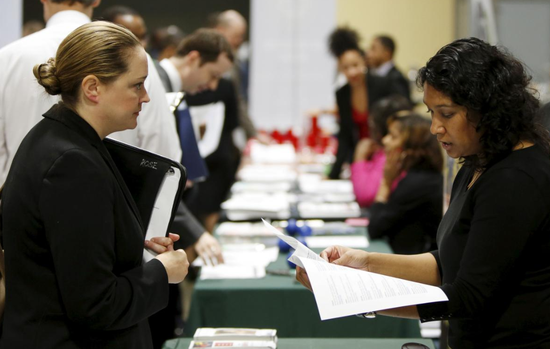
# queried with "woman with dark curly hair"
point(356, 97)
point(494, 241)
point(408, 205)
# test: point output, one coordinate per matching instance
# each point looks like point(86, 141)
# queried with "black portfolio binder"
point(156, 184)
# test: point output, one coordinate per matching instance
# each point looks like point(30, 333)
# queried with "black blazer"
point(377, 88)
point(73, 245)
point(399, 82)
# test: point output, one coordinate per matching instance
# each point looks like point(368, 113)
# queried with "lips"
point(445, 145)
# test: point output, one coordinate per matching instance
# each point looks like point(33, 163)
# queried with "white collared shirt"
point(23, 100)
point(173, 74)
point(382, 70)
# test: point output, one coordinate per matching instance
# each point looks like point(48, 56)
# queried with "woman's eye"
point(138, 86)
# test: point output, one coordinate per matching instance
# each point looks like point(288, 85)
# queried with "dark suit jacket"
point(73, 245)
point(377, 88)
point(224, 161)
point(399, 82)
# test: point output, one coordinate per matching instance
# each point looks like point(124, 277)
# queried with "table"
point(323, 343)
point(282, 303)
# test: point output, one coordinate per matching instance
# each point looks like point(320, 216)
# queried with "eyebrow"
point(440, 105)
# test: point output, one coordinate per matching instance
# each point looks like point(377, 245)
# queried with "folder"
point(155, 182)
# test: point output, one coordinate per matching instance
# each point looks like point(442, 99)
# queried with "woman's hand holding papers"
point(339, 255)
point(175, 262)
point(346, 257)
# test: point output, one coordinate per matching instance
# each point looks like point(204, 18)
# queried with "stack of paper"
point(249, 206)
point(336, 210)
point(232, 232)
point(251, 338)
point(261, 187)
point(267, 173)
point(241, 261)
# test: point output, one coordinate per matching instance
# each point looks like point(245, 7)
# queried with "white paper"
point(354, 241)
point(224, 271)
point(300, 249)
point(239, 255)
point(162, 210)
point(341, 291)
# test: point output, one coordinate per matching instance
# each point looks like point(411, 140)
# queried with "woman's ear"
point(90, 88)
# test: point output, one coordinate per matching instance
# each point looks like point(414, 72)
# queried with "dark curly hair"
point(344, 39)
point(421, 148)
point(494, 87)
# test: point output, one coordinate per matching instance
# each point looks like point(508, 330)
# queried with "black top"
point(411, 216)
point(400, 82)
point(73, 245)
point(378, 87)
point(494, 256)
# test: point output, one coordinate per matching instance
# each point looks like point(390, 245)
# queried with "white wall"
point(11, 18)
point(291, 68)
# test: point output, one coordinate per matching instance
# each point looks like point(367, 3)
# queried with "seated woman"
point(409, 203)
point(369, 158)
point(72, 234)
point(493, 242)
point(354, 99)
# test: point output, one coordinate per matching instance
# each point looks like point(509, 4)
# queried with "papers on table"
point(242, 261)
point(267, 173)
point(341, 291)
point(244, 232)
point(342, 210)
point(354, 241)
point(224, 271)
point(255, 205)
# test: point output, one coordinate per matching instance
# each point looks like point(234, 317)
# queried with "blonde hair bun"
point(45, 74)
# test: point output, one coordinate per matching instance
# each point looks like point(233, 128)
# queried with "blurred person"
point(356, 97)
point(380, 63)
point(408, 205)
point(164, 42)
point(233, 26)
point(128, 18)
point(369, 158)
point(32, 26)
point(493, 242)
point(73, 280)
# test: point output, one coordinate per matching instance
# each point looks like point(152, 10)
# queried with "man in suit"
point(380, 63)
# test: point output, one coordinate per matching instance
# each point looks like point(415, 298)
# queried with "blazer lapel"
point(79, 125)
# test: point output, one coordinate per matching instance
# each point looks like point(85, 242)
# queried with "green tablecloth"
point(323, 343)
point(282, 303)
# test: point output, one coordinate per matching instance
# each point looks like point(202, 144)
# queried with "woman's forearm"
point(420, 268)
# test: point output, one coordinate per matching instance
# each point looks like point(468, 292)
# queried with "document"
point(300, 249)
point(341, 291)
point(162, 209)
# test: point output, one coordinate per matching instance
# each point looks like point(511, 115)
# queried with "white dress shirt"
point(23, 100)
point(173, 74)
point(383, 69)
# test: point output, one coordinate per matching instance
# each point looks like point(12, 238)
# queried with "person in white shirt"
point(22, 102)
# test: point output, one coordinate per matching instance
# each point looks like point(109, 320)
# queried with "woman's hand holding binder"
point(175, 262)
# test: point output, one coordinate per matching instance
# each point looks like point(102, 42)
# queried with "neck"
point(523, 145)
point(86, 112)
point(51, 8)
point(182, 65)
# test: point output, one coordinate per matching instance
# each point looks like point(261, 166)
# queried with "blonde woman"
point(71, 232)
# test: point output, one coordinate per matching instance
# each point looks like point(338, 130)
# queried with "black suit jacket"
point(73, 245)
point(377, 88)
point(399, 82)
